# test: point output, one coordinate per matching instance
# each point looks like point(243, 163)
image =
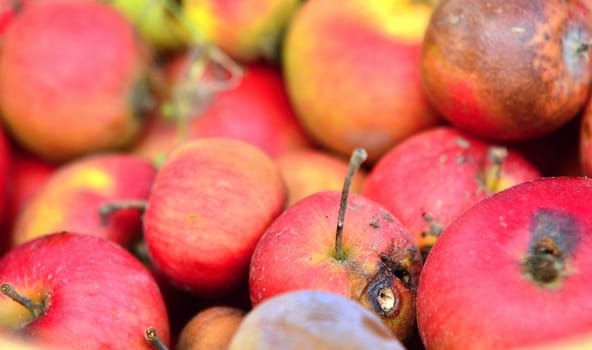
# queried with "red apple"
point(309, 171)
point(256, 110)
point(71, 199)
point(211, 201)
point(513, 271)
point(6, 165)
point(509, 69)
point(79, 290)
point(352, 72)
point(312, 319)
point(432, 177)
point(345, 244)
point(72, 79)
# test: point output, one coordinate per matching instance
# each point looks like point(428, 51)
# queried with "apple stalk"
point(153, 339)
point(497, 155)
point(35, 308)
point(358, 156)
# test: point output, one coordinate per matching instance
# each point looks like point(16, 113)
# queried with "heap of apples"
point(285, 174)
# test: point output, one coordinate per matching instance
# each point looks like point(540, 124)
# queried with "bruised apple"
point(508, 69)
point(513, 271)
point(345, 244)
point(432, 177)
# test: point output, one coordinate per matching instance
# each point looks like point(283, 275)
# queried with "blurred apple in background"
point(585, 140)
point(256, 110)
point(70, 199)
point(309, 171)
point(159, 22)
point(312, 319)
point(211, 328)
point(433, 176)
point(211, 201)
point(508, 71)
point(352, 72)
point(72, 79)
point(247, 30)
point(513, 271)
point(78, 290)
point(27, 175)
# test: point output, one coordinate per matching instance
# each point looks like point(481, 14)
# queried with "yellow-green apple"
point(256, 110)
point(248, 30)
point(312, 319)
point(159, 22)
point(313, 170)
point(352, 72)
point(71, 198)
point(433, 176)
point(513, 271)
point(211, 200)
point(342, 243)
point(72, 79)
point(74, 290)
point(211, 328)
point(508, 70)
point(27, 175)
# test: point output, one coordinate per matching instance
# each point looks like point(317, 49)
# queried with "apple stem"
point(358, 156)
point(107, 209)
point(152, 337)
point(35, 308)
point(498, 156)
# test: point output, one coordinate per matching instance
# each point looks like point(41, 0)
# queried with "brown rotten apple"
point(514, 271)
point(508, 69)
point(349, 246)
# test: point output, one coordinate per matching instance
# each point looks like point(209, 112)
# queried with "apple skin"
point(308, 171)
point(247, 30)
point(352, 73)
point(6, 165)
point(256, 110)
point(71, 197)
point(97, 294)
point(297, 251)
point(585, 141)
point(511, 71)
point(211, 201)
point(211, 328)
point(433, 176)
point(63, 95)
point(476, 289)
point(312, 319)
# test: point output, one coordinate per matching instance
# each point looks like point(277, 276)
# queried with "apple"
point(308, 171)
point(27, 175)
point(69, 289)
point(352, 72)
point(159, 22)
point(256, 110)
point(585, 141)
point(513, 271)
point(211, 200)
point(72, 79)
point(211, 328)
point(433, 176)
point(72, 197)
point(345, 244)
point(6, 165)
point(248, 30)
point(508, 69)
point(312, 319)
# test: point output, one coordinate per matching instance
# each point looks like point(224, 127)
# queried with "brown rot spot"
point(555, 235)
point(374, 223)
point(383, 296)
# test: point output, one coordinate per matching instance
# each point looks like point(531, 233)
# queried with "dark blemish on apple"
point(555, 236)
point(383, 297)
point(374, 223)
point(462, 142)
point(387, 216)
point(546, 36)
